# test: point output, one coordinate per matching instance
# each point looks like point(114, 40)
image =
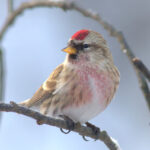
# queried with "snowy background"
point(32, 48)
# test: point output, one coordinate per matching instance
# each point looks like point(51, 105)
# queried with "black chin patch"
point(73, 56)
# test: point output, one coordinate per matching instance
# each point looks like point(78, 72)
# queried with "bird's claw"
point(84, 138)
point(70, 124)
point(95, 129)
point(61, 129)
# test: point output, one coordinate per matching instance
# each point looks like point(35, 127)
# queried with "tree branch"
point(109, 28)
point(82, 130)
point(140, 65)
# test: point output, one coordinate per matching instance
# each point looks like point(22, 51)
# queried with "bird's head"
point(87, 46)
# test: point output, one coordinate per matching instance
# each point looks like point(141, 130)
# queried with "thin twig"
point(145, 88)
point(10, 6)
point(82, 130)
point(111, 30)
point(142, 68)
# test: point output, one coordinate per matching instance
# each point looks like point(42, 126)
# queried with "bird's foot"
point(70, 124)
point(84, 138)
point(95, 129)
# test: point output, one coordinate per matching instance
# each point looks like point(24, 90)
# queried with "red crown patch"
point(80, 35)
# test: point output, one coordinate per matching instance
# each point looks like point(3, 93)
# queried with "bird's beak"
point(70, 50)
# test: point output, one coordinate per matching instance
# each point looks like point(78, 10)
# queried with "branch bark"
point(108, 27)
point(140, 65)
point(82, 130)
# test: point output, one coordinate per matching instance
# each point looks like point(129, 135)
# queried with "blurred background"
point(32, 49)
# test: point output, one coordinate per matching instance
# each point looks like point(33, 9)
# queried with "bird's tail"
point(25, 103)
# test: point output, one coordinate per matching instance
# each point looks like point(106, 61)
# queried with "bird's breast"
point(90, 94)
point(96, 85)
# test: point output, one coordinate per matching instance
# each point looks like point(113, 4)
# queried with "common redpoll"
point(83, 85)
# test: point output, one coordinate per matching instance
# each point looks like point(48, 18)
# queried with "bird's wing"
point(46, 89)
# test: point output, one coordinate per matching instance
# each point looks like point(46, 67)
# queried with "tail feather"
point(25, 103)
point(29, 104)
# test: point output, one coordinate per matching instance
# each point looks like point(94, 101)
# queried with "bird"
point(83, 85)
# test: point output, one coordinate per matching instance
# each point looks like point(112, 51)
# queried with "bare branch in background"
point(112, 31)
point(140, 65)
point(10, 6)
point(1, 75)
point(82, 130)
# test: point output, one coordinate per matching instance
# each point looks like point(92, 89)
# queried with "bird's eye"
point(86, 45)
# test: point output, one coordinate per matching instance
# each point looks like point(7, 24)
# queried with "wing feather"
point(46, 90)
